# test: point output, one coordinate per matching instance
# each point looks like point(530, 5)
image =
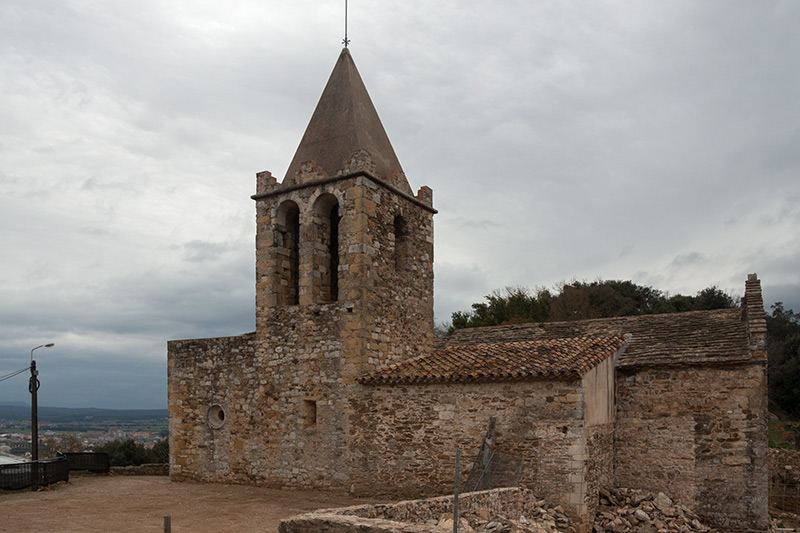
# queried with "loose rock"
point(629, 510)
point(538, 519)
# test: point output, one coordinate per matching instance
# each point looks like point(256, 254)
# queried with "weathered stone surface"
point(203, 373)
point(698, 434)
point(494, 511)
point(629, 510)
point(662, 501)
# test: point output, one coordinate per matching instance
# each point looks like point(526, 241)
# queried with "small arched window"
point(400, 242)
point(287, 242)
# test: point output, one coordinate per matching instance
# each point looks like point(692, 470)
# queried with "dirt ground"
point(139, 503)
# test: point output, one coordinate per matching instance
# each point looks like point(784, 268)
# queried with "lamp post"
point(33, 386)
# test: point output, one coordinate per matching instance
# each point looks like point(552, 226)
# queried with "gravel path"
point(139, 503)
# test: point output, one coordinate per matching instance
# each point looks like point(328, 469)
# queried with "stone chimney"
point(755, 317)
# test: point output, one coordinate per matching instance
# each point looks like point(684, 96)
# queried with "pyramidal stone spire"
point(345, 134)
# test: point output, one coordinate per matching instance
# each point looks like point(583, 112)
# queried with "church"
point(343, 387)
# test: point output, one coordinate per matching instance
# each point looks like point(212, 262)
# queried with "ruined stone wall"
point(206, 373)
point(699, 435)
point(405, 438)
point(410, 516)
point(147, 469)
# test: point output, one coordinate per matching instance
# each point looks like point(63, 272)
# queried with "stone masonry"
point(340, 386)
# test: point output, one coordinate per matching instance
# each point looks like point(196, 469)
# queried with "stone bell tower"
point(344, 276)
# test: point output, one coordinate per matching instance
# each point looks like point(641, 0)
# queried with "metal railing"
point(44, 472)
point(784, 493)
point(91, 461)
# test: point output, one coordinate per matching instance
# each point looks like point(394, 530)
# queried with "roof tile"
point(695, 337)
point(558, 358)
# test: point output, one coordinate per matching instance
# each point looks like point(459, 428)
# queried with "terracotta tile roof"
point(697, 337)
point(558, 358)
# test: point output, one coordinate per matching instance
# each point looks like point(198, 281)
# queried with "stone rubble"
point(784, 522)
point(538, 519)
point(623, 510)
point(620, 511)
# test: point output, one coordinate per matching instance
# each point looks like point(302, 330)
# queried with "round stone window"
point(216, 416)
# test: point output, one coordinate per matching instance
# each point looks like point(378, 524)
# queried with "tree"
point(441, 329)
point(124, 452)
point(508, 306)
point(581, 300)
point(160, 452)
point(131, 453)
point(714, 298)
point(66, 443)
point(783, 353)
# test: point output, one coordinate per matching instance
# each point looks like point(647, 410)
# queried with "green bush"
point(130, 453)
point(783, 349)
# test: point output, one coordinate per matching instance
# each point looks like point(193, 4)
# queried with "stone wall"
point(204, 373)
point(344, 284)
point(333, 523)
point(384, 307)
point(409, 516)
point(148, 469)
point(405, 438)
point(313, 352)
point(598, 468)
point(699, 435)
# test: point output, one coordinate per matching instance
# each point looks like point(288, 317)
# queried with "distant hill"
point(68, 414)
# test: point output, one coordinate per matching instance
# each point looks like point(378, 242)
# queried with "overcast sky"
point(652, 141)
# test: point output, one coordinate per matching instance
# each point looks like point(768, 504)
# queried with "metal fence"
point(91, 461)
point(784, 493)
point(45, 472)
point(493, 469)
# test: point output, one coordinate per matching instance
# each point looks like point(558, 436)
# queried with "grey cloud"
point(200, 251)
point(688, 259)
point(456, 287)
point(650, 142)
point(788, 294)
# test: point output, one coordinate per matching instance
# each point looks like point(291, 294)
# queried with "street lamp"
point(33, 386)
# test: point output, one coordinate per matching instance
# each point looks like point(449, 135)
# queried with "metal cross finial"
point(345, 41)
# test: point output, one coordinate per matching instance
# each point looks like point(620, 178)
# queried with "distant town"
point(92, 427)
